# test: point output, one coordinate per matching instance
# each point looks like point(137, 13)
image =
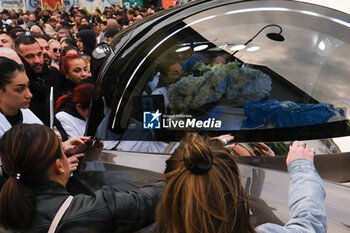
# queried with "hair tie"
point(15, 175)
point(199, 167)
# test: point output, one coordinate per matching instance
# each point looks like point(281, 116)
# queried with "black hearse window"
point(281, 75)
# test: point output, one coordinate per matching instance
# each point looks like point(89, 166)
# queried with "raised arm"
point(306, 195)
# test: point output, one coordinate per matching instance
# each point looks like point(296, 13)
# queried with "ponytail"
point(27, 152)
point(17, 205)
point(81, 94)
point(61, 102)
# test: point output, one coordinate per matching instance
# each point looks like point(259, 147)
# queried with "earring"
point(62, 171)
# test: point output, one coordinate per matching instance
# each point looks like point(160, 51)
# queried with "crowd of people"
point(201, 191)
point(47, 61)
point(55, 49)
point(62, 23)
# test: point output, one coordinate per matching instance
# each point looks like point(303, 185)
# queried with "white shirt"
point(73, 126)
point(7, 21)
point(28, 118)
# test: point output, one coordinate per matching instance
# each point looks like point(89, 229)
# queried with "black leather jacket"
point(106, 211)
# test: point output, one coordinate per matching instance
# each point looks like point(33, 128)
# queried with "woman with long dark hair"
point(35, 190)
point(15, 96)
point(86, 41)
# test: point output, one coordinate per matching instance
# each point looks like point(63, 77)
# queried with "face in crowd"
point(55, 50)
point(5, 16)
point(53, 23)
point(103, 25)
point(80, 44)
point(46, 50)
point(84, 21)
point(77, 20)
point(32, 17)
point(33, 55)
point(16, 94)
point(77, 70)
point(62, 35)
point(6, 41)
point(108, 39)
point(174, 73)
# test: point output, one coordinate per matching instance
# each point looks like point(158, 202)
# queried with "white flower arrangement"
point(237, 84)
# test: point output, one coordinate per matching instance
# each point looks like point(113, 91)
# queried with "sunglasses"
point(55, 50)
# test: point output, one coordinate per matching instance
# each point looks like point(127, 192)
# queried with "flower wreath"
point(236, 83)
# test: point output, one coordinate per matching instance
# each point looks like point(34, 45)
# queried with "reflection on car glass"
point(281, 114)
point(169, 73)
point(224, 90)
point(227, 85)
point(134, 138)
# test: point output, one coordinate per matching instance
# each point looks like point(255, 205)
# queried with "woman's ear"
point(78, 107)
point(81, 110)
point(59, 172)
point(58, 166)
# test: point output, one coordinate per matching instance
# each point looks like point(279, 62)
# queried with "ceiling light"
point(253, 48)
point(325, 46)
point(182, 49)
point(322, 45)
point(237, 47)
point(275, 36)
point(200, 47)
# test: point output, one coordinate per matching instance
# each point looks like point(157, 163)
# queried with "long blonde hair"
point(204, 193)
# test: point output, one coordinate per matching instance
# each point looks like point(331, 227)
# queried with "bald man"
point(10, 53)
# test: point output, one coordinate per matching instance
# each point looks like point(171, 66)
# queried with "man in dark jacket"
point(40, 78)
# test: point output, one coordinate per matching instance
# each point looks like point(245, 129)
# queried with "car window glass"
point(278, 76)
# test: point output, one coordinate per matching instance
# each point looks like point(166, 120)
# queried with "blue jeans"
point(307, 211)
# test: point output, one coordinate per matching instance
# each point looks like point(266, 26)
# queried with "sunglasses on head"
point(55, 50)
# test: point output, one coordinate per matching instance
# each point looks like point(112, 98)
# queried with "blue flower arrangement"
point(237, 84)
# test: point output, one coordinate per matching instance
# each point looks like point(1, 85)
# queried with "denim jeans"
point(307, 211)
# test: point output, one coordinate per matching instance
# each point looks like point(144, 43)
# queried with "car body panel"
point(300, 73)
point(267, 188)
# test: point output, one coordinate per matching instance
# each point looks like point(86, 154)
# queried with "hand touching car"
point(299, 151)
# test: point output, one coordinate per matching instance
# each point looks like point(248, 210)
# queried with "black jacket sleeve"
point(136, 209)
